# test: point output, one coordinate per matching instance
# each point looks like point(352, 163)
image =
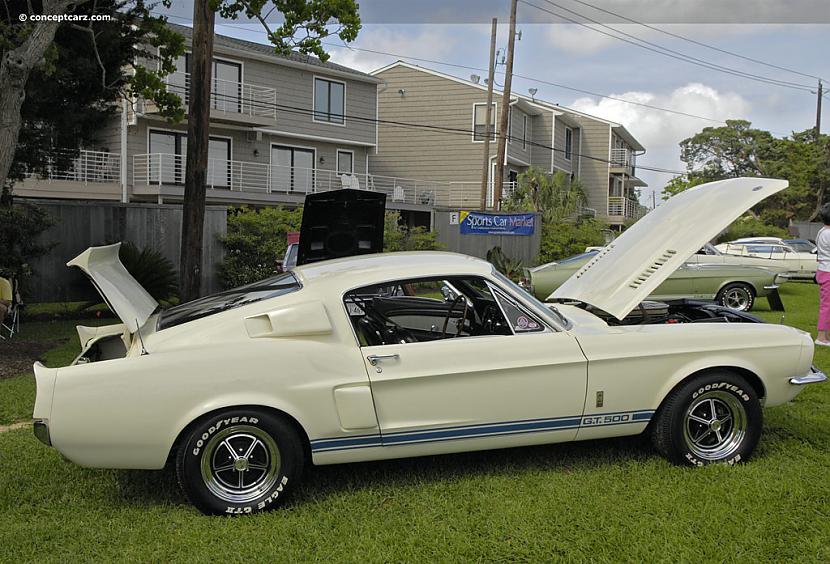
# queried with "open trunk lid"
point(121, 292)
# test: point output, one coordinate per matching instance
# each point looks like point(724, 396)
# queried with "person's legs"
point(823, 306)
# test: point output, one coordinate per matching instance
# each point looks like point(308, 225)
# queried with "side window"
point(520, 320)
point(432, 309)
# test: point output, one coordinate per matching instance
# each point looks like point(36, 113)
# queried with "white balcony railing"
point(625, 208)
point(85, 166)
point(230, 96)
point(623, 158)
point(467, 195)
point(157, 169)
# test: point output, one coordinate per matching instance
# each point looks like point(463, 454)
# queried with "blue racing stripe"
point(481, 430)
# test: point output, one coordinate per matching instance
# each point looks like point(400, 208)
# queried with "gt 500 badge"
point(606, 419)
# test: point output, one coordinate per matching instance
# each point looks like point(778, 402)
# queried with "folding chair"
point(11, 324)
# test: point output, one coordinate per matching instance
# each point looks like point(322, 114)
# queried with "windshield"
point(229, 299)
point(547, 309)
point(801, 246)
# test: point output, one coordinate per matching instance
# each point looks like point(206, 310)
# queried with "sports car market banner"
point(478, 223)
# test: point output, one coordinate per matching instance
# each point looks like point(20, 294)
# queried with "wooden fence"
point(81, 224)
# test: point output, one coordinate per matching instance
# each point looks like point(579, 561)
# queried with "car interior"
point(431, 309)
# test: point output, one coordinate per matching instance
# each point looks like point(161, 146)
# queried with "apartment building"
point(280, 128)
point(601, 153)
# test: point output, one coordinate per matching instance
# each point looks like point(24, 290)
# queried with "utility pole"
point(198, 128)
point(818, 110)
point(505, 108)
point(485, 173)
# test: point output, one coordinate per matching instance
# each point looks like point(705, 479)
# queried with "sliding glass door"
point(168, 150)
point(292, 169)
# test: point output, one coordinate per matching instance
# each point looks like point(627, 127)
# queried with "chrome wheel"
point(715, 425)
point(737, 298)
point(240, 463)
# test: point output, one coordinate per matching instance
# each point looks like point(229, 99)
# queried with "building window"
point(329, 101)
point(168, 154)
point(345, 162)
point(480, 128)
point(569, 142)
point(524, 132)
point(292, 169)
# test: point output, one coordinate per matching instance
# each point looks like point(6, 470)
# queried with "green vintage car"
point(732, 286)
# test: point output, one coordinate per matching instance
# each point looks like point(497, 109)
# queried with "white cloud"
point(661, 132)
point(432, 42)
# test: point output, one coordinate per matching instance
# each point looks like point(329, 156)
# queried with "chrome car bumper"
point(814, 376)
point(41, 428)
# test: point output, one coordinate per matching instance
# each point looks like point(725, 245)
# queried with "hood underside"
point(631, 267)
point(122, 293)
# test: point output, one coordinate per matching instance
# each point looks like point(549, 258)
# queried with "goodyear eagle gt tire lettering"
point(239, 461)
point(713, 418)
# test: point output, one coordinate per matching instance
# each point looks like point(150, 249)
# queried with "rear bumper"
point(814, 376)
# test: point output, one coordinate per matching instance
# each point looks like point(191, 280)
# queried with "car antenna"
point(140, 340)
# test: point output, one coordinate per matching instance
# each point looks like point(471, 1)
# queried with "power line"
point(665, 51)
point(700, 43)
point(428, 127)
point(531, 79)
point(528, 78)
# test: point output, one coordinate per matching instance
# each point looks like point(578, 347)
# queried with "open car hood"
point(631, 267)
point(122, 293)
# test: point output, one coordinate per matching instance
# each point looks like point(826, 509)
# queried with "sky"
point(793, 34)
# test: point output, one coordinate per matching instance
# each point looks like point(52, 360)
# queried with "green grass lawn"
point(608, 500)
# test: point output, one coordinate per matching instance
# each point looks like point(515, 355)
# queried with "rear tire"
point(239, 461)
point(738, 296)
point(715, 418)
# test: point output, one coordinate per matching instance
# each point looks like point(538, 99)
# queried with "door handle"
point(375, 358)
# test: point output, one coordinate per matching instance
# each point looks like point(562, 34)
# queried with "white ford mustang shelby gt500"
point(409, 354)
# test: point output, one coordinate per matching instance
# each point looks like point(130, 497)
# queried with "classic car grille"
point(655, 266)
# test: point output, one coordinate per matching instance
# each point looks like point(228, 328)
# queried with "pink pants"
point(823, 300)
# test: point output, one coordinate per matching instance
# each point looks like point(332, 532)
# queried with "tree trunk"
point(15, 68)
point(198, 138)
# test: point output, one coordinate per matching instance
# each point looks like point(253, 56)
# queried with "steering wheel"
point(457, 299)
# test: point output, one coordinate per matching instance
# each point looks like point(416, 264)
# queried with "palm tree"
point(557, 198)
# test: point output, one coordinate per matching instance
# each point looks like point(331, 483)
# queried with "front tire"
point(738, 296)
point(714, 418)
point(239, 461)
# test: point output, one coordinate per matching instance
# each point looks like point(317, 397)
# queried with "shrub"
point(750, 226)
point(397, 237)
point(255, 241)
point(21, 227)
point(561, 240)
point(155, 272)
point(504, 264)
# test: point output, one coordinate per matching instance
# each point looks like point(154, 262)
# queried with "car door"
point(484, 391)
point(681, 283)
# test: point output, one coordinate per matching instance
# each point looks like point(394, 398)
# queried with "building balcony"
point(230, 101)
point(161, 176)
point(94, 175)
point(622, 210)
point(467, 195)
